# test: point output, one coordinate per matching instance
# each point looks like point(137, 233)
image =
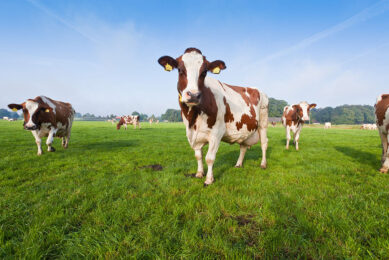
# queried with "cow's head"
point(35, 112)
point(303, 109)
point(121, 122)
point(192, 69)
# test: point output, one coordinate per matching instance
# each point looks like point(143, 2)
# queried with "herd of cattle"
point(212, 112)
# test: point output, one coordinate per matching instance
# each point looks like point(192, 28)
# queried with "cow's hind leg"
point(287, 136)
point(210, 159)
point(199, 158)
point(243, 149)
point(263, 123)
point(38, 141)
point(385, 157)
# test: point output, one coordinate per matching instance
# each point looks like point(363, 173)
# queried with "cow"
point(46, 117)
point(293, 119)
point(327, 125)
point(273, 124)
point(213, 111)
point(128, 120)
point(150, 121)
point(382, 122)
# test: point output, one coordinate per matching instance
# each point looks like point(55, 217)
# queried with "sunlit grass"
point(95, 200)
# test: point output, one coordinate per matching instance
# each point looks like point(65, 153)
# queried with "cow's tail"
point(263, 110)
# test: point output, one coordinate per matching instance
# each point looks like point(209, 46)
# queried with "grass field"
point(327, 200)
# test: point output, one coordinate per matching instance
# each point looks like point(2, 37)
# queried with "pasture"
point(96, 199)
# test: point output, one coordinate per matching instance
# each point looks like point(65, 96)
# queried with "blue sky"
point(102, 55)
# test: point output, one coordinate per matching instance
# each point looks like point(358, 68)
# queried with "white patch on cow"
point(379, 98)
point(31, 106)
point(48, 102)
point(193, 62)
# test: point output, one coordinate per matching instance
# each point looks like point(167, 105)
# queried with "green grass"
point(327, 200)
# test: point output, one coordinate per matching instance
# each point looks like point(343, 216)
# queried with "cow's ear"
point(312, 105)
point(15, 107)
point(216, 66)
point(168, 63)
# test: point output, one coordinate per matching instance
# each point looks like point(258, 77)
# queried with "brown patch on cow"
point(193, 49)
point(208, 105)
point(228, 116)
point(249, 121)
point(293, 116)
point(254, 95)
point(190, 115)
point(380, 109)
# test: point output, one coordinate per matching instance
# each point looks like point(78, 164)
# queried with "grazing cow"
point(382, 122)
point(327, 125)
point(293, 119)
point(273, 123)
point(128, 120)
point(213, 111)
point(46, 117)
point(150, 121)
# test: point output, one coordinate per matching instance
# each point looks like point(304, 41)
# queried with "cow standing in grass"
point(46, 117)
point(293, 119)
point(214, 111)
point(128, 120)
point(382, 121)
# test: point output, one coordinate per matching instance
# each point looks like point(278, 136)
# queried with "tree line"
point(345, 114)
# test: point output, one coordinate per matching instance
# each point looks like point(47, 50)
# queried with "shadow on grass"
point(359, 156)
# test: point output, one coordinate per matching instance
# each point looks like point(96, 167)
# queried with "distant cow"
point(46, 117)
point(128, 120)
point(5, 118)
point(213, 111)
point(327, 125)
point(150, 121)
point(273, 123)
point(293, 119)
point(382, 120)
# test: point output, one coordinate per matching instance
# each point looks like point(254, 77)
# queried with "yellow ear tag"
point(168, 67)
point(216, 70)
point(14, 109)
point(180, 97)
point(47, 110)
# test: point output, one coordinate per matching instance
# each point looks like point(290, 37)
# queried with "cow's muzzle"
point(193, 99)
point(30, 128)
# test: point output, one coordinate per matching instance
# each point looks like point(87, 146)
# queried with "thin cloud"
point(362, 16)
point(61, 20)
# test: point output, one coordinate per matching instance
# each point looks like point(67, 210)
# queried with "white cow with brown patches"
point(293, 119)
point(46, 117)
point(213, 111)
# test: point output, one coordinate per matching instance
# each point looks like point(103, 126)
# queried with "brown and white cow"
point(128, 120)
point(46, 117)
point(293, 119)
point(214, 111)
point(382, 121)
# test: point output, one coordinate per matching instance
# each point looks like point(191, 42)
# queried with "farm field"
point(96, 199)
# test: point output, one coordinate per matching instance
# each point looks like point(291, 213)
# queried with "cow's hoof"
point(384, 170)
point(238, 166)
point(263, 166)
point(199, 175)
point(52, 149)
point(39, 153)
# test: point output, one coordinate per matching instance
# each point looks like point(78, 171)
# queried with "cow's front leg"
point(210, 159)
point(38, 141)
point(199, 158)
point(384, 142)
point(296, 138)
point(243, 149)
point(287, 136)
point(50, 139)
